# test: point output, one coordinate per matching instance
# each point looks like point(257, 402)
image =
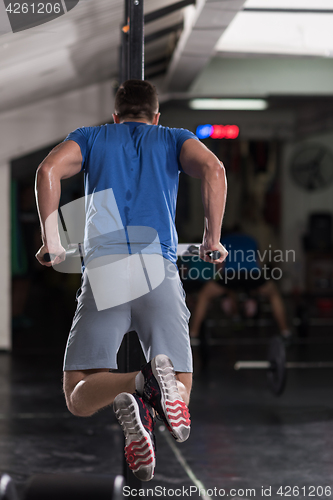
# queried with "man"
point(138, 163)
point(241, 271)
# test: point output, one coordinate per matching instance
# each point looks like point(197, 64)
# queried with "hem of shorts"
point(68, 368)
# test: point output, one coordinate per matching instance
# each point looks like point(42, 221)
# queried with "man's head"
point(136, 100)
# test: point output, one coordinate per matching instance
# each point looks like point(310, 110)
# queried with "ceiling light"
point(231, 104)
point(287, 4)
point(304, 34)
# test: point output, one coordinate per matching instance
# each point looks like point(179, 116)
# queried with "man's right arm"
point(63, 162)
point(199, 162)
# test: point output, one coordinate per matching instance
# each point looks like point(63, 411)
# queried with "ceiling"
point(76, 50)
point(81, 47)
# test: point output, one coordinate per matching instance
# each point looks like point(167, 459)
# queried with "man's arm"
point(63, 162)
point(197, 161)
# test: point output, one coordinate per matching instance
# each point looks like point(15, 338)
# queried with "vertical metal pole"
point(136, 40)
point(132, 67)
point(124, 52)
point(132, 47)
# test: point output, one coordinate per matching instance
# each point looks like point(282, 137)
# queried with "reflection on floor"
point(242, 437)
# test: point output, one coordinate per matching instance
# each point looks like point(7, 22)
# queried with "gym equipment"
point(276, 374)
point(7, 488)
point(65, 487)
point(70, 252)
point(277, 366)
point(183, 249)
point(194, 250)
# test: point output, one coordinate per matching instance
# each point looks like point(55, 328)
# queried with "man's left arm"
point(63, 161)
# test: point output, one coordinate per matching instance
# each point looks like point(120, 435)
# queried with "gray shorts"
point(160, 318)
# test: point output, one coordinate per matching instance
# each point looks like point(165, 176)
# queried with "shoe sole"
point(139, 449)
point(175, 412)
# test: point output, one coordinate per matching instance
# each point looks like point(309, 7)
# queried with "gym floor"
point(243, 438)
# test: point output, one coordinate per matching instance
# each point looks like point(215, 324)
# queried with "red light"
point(218, 132)
point(225, 132)
point(231, 131)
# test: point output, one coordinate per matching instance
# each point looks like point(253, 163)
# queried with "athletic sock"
point(139, 383)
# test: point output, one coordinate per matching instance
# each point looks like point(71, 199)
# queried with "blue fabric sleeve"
point(81, 137)
point(181, 136)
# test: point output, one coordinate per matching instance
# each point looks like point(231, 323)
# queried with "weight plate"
point(7, 488)
point(72, 487)
point(277, 374)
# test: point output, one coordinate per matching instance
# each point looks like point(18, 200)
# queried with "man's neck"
point(135, 120)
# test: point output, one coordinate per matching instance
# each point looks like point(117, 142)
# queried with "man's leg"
point(206, 294)
point(229, 304)
point(271, 291)
point(184, 383)
point(88, 391)
point(162, 395)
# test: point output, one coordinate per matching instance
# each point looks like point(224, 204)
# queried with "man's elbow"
point(44, 168)
point(216, 170)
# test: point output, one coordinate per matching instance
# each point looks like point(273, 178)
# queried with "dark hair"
point(136, 98)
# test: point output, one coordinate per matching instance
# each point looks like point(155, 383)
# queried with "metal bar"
point(310, 364)
point(132, 67)
point(288, 11)
point(265, 365)
point(124, 57)
point(64, 227)
point(157, 14)
point(136, 40)
point(164, 32)
point(253, 365)
point(72, 250)
point(182, 248)
point(124, 51)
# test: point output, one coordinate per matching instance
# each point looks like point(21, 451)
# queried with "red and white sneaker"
point(136, 419)
point(159, 389)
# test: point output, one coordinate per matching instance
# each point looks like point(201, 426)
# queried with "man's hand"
point(57, 252)
point(207, 247)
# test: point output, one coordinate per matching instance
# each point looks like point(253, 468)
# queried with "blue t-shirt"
point(131, 175)
point(243, 252)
